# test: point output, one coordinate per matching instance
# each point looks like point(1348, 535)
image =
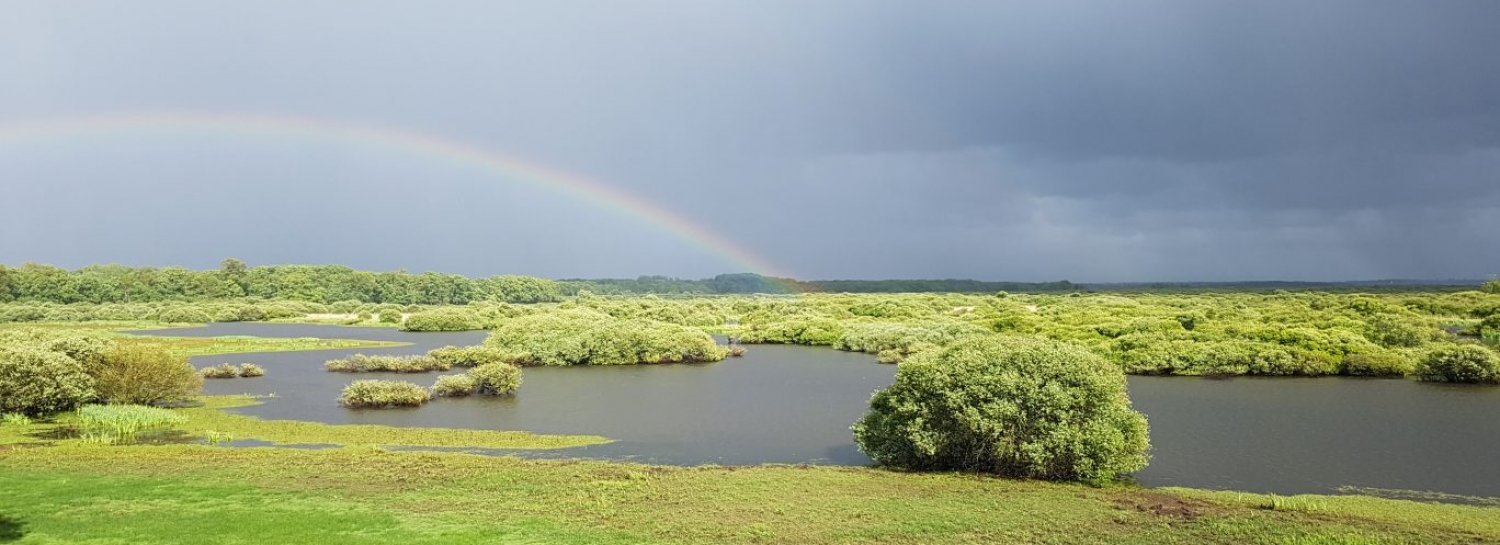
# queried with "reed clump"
point(383, 394)
point(360, 363)
point(226, 370)
point(115, 424)
point(223, 370)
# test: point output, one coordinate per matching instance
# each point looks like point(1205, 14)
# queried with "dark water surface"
point(791, 404)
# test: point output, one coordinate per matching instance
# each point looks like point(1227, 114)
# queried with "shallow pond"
point(790, 404)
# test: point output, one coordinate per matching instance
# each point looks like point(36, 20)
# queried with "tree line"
point(317, 283)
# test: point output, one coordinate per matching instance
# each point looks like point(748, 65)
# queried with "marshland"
point(1289, 415)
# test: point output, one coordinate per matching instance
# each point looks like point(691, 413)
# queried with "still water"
point(790, 404)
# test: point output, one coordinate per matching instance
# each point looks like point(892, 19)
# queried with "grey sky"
point(1093, 141)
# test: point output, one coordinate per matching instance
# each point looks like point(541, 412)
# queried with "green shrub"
point(496, 378)
point(445, 319)
point(251, 370)
point(390, 316)
point(141, 374)
point(184, 315)
point(1376, 364)
point(455, 385)
point(360, 363)
point(15, 419)
point(123, 423)
point(1460, 363)
point(223, 370)
point(1394, 332)
point(467, 356)
point(583, 337)
point(1012, 406)
point(381, 394)
point(37, 381)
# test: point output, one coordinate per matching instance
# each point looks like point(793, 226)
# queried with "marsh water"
point(791, 404)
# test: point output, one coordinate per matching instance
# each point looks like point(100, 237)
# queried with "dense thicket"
point(48, 371)
point(1283, 333)
point(317, 283)
point(1013, 406)
point(587, 337)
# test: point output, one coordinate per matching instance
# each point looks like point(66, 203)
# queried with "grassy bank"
point(199, 346)
point(211, 417)
point(200, 494)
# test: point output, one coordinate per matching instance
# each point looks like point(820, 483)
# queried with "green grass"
point(200, 494)
point(202, 346)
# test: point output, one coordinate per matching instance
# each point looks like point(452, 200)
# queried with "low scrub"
point(496, 378)
point(467, 356)
point(251, 370)
point(1467, 363)
point(360, 363)
point(584, 337)
point(123, 423)
point(445, 319)
point(455, 385)
point(382, 394)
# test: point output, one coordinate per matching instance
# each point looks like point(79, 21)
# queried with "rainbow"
point(427, 146)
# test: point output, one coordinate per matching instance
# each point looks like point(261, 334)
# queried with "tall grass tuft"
point(1299, 504)
point(15, 419)
point(112, 424)
point(360, 363)
point(223, 370)
point(251, 370)
point(381, 394)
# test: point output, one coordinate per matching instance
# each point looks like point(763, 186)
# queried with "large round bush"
point(34, 380)
point(1460, 363)
point(139, 374)
point(1018, 407)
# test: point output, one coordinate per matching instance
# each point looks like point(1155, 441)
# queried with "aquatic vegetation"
point(251, 370)
point(223, 370)
point(112, 424)
point(1012, 406)
point(1470, 363)
point(382, 394)
point(143, 374)
point(496, 378)
point(467, 356)
point(218, 437)
point(736, 351)
point(360, 363)
point(585, 337)
point(455, 385)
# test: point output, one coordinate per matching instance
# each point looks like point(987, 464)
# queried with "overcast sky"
point(1092, 141)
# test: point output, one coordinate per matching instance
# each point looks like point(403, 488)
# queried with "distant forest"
point(332, 283)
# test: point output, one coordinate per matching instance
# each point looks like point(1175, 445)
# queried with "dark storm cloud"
point(1092, 141)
